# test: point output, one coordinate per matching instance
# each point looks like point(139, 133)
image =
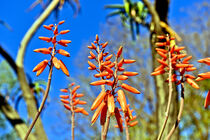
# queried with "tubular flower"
point(52, 51)
point(110, 70)
point(69, 101)
point(179, 63)
point(203, 76)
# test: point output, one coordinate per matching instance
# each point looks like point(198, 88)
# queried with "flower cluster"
point(174, 59)
point(203, 76)
point(70, 101)
point(109, 72)
point(53, 50)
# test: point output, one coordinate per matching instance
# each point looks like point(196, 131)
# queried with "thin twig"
point(72, 116)
point(180, 113)
point(42, 103)
point(106, 126)
point(169, 97)
point(126, 129)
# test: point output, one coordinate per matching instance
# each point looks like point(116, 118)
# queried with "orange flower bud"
point(91, 65)
point(63, 52)
point(92, 54)
point(158, 72)
point(97, 38)
point(64, 41)
point(119, 51)
point(63, 68)
point(64, 90)
point(41, 65)
point(75, 89)
point(55, 32)
point(79, 95)
point(161, 67)
point(82, 102)
point(118, 118)
point(187, 59)
point(98, 100)
point(199, 79)
point(181, 56)
point(111, 105)
point(103, 115)
point(122, 100)
point(192, 83)
point(78, 109)
point(120, 64)
point(100, 57)
point(67, 107)
point(128, 61)
point(84, 112)
point(93, 46)
point(162, 54)
point(105, 44)
point(189, 76)
point(207, 100)
point(104, 73)
point(133, 123)
point(128, 73)
point(130, 88)
point(109, 70)
point(182, 65)
point(56, 63)
point(108, 57)
point(64, 101)
point(64, 96)
point(64, 31)
point(47, 27)
point(122, 77)
point(99, 82)
point(61, 22)
point(45, 38)
point(111, 65)
point(160, 44)
point(121, 69)
point(161, 37)
point(161, 50)
point(179, 49)
point(205, 75)
point(190, 69)
point(40, 71)
point(97, 112)
point(162, 62)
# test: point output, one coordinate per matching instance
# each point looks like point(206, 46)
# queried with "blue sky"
point(82, 28)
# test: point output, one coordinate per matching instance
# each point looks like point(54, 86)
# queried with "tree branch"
point(13, 117)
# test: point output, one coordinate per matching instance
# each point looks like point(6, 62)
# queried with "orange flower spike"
point(192, 83)
point(162, 54)
point(63, 68)
point(91, 65)
point(99, 82)
point(108, 57)
point(128, 61)
point(64, 90)
point(205, 75)
point(64, 96)
point(64, 101)
point(43, 50)
point(122, 77)
point(103, 115)
point(122, 100)
point(207, 100)
point(63, 52)
point(97, 112)
point(118, 118)
point(67, 107)
point(98, 100)
point(104, 45)
point(56, 63)
point(40, 65)
point(130, 88)
point(48, 39)
point(47, 27)
point(128, 73)
point(158, 72)
point(92, 54)
point(119, 51)
point(75, 89)
point(64, 32)
point(133, 123)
